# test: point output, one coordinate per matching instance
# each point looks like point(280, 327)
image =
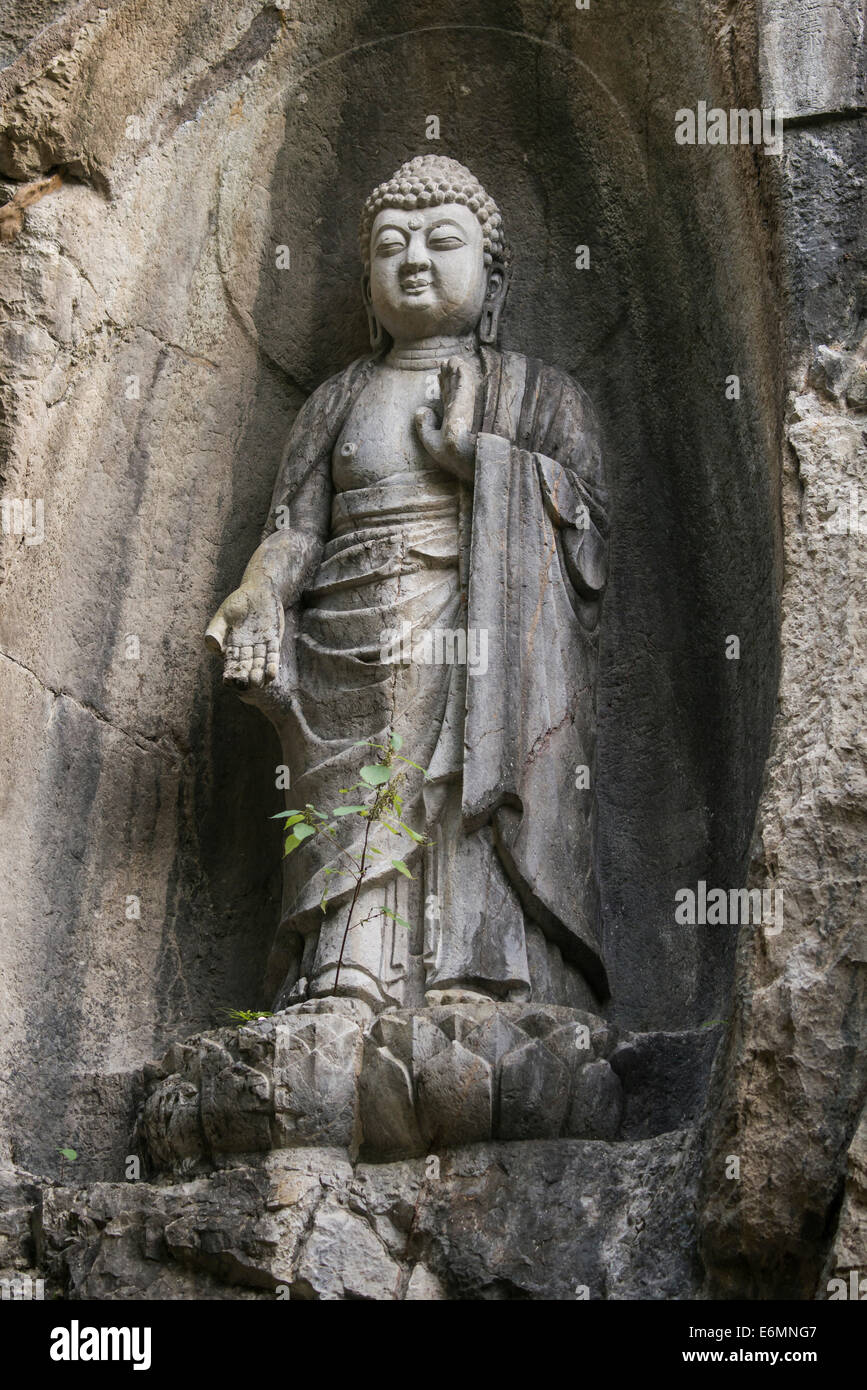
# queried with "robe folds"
point(532, 536)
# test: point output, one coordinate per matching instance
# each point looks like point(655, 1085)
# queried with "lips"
point(416, 285)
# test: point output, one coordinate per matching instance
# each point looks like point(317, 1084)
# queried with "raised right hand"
point(247, 629)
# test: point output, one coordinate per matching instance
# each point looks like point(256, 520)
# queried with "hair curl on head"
point(427, 181)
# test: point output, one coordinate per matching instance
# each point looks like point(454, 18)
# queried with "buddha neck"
point(424, 354)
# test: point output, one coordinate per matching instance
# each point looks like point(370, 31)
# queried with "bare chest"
point(379, 439)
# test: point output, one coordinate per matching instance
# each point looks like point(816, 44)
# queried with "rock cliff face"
point(790, 1084)
point(155, 348)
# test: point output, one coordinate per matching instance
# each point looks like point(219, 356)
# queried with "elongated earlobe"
point(495, 298)
point(374, 327)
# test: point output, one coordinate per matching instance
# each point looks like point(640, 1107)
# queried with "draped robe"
point(532, 535)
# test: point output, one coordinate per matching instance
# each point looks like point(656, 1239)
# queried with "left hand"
point(452, 445)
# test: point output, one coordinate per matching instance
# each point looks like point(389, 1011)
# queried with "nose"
point(416, 256)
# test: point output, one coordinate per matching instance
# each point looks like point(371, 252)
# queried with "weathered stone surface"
point(121, 778)
point(423, 1287)
point(665, 1078)
point(317, 1059)
point(240, 1228)
point(389, 1121)
point(236, 1101)
point(534, 1093)
point(19, 1199)
point(596, 1105)
point(343, 1258)
point(155, 261)
point(812, 56)
point(846, 1256)
point(616, 1220)
point(412, 1080)
point(172, 1122)
point(454, 1098)
point(561, 1219)
point(790, 1079)
point(278, 1082)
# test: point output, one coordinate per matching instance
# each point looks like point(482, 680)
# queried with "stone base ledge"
point(326, 1073)
point(549, 1219)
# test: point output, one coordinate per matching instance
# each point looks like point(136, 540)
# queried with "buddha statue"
point(433, 567)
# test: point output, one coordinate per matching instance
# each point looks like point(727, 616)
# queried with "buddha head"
point(434, 252)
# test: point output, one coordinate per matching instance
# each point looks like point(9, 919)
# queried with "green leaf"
point(371, 849)
point(410, 763)
point(397, 742)
point(246, 1015)
point(303, 832)
point(375, 774)
point(68, 1153)
point(282, 814)
point(290, 844)
point(401, 867)
point(413, 834)
point(401, 921)
point(388, 825)
point(347, 810)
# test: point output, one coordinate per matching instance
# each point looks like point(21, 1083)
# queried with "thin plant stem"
point(358, 883)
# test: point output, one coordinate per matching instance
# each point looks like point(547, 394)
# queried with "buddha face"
point(427, 271)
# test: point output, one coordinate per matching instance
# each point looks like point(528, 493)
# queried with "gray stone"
point(342, 1258)
point(432, 438)
point(236, 1103)
point(388, 1113)
point(455, 1102)
point(596, 1107)
point(665, 1078)
point(849, 1246)
point(534, 1093)
point(19, 1202)
point(171, 1125)
point(788, 1083)
point(494, 1038)
point(316, 1064)
point(812, 56)
point(594, 1220)
point(423, 1286)
point(616, 1220)
point(153, 262)
point(165, 781)
point(447, 1075)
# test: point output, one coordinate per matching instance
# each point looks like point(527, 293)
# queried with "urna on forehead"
point(428, 181)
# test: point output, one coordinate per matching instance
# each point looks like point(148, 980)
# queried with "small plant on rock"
point(380, 804)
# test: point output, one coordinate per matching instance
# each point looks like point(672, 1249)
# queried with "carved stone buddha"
point(438, 498)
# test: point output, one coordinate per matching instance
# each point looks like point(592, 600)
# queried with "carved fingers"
point(248, 630)
point(453, 443)
point(260, 662)
point(458, 392)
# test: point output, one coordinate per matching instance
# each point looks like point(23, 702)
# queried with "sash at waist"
point(424, 495)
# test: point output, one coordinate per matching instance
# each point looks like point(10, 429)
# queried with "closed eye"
point(390, 246)
point(446, 243)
